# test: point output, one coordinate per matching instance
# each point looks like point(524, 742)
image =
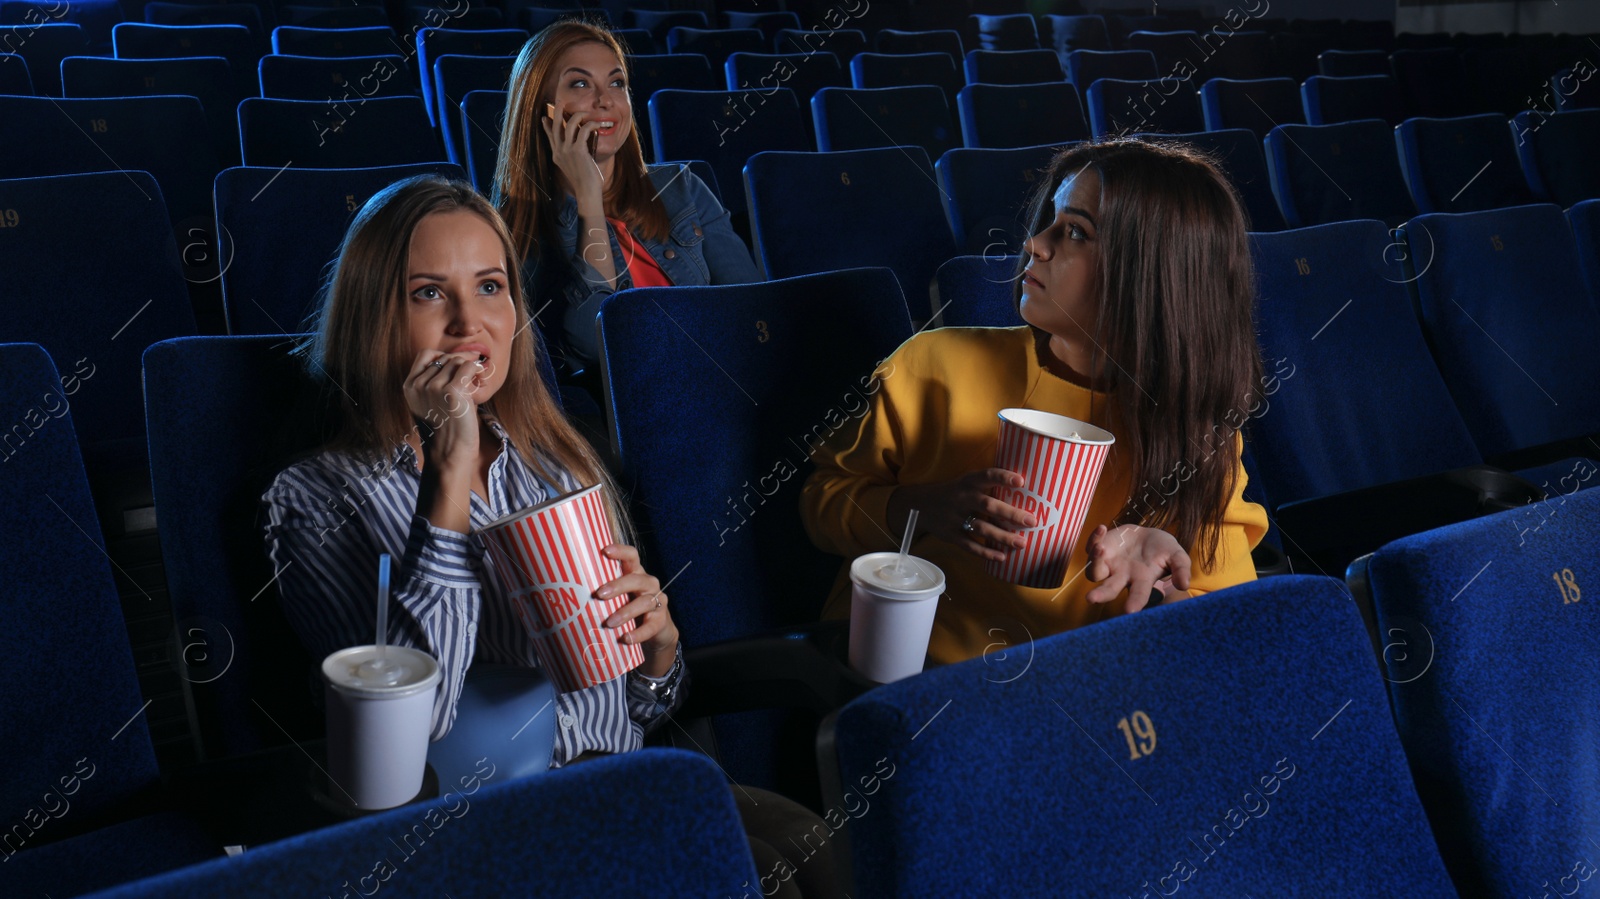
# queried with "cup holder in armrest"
point(802, 667)
point(1497, 490)
point(1269, 560)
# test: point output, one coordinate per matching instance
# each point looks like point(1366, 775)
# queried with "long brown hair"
point(361, 348)
point(525, 178)
point(1176, 311)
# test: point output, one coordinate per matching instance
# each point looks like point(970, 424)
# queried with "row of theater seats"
point(1294, 735)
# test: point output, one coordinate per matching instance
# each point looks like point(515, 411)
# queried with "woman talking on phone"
point(586, 214)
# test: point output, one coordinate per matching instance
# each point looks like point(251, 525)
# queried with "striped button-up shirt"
point(330, 516)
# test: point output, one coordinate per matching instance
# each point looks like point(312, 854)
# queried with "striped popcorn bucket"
point(1059, 459)
point(548, 558)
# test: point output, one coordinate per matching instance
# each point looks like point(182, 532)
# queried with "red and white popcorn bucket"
point(549, 560)
point(1060, 460)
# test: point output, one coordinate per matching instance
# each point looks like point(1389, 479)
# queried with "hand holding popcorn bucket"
point(1060, 460)
point(548, 559)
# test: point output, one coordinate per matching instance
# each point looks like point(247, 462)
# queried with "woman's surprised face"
point(1061, 285)
point(457, 296)
point(591, 86)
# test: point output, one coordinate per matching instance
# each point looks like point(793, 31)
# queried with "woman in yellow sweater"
point(1138, 291)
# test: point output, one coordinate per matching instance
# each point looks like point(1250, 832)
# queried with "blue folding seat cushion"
point(1238, 151)
point(979, 292)
point(293, 41)
point(716, 44)
point(1068, 33)
point(1522, 373)
point(496, 836)
point(1557, 154)
point(1361, 402)
point(1461, 165)
point(1138, 776)
point(852, 119)
point(208, 79)
point(342, 80)
point(817, 212)
point(1006, 32)
point(235, 43)
point(453, 78)
point(1334, 173)
point(1329, 101)
point(1020, 115)
point(1260, 105)
point(985, 192)
point(43, 47)
point(899, 69)
point(805, 74)
point(1500, 738)
point(433, 43)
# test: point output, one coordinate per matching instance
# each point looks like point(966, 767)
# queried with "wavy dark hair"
point(1176, 313)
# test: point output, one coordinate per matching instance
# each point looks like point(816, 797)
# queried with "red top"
point(638, 261)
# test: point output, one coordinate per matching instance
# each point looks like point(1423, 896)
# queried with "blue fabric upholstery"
point(985, 193)
point(165, 136)
point(979, 292)
point(1501, 739)
point(1431, 83)
point(135, 262)
point(905, 69)
point(1572, 90)
point(44, 46)
point(1238, 55)
point(717, 516)
point(332, 79)
point(1006, 32)
point(1585, 220)
point(1117, 107)
point(1333, 306)
point(659, 22)
point(482, 117)
point(1335, 173)
point(817, 212)
point(95, 17)
point(433, 43)
point(293, 41)
point(14, 77)
point(1020, 115)
point(224, 414)
point(1175, 51)
point(282, 229)
point(456, 76)
point(108, 856)
point(1239, 153)
point(534, 19)
point(1462, 164)
point(235, 43)
point(725, 129)
point(206, 78)
point(1557, 154)
point(716, 44)
point(890, 40)
point(556, 836)
point(333, 16)
point(682, 71)
point(1352, 63)
point(244, 14)
point(768, 23)
point(1012, 66)
point(1085, 67)
point(1522, 373)
point(1291, 775)
point(805, 74)
point(851, 119)
point(635, 41)
point(315, 134)
point(1259, 105)
point(1331, 100)
point(1069, 33)
point(845, 43)
point(417, 16)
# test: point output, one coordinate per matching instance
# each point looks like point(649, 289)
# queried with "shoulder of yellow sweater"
point(943, 352)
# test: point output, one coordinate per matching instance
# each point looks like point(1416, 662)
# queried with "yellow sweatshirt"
point(933, 418)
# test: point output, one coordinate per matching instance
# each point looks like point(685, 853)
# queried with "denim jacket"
point(701, 248)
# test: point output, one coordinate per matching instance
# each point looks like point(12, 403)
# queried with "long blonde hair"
point(361, 348)
point(525, 177)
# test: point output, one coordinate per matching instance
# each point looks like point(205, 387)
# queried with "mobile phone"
point(550, 110)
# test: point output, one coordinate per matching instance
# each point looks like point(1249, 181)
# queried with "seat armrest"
point(801, 667)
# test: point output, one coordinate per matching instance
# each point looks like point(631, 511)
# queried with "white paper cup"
point(891, 618)
point(1060, 460)
point(378, 732)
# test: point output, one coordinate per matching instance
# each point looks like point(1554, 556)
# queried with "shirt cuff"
point(442, 557)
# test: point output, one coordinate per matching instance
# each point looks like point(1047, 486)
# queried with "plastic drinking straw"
point(905, 542)
point(383, 604)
